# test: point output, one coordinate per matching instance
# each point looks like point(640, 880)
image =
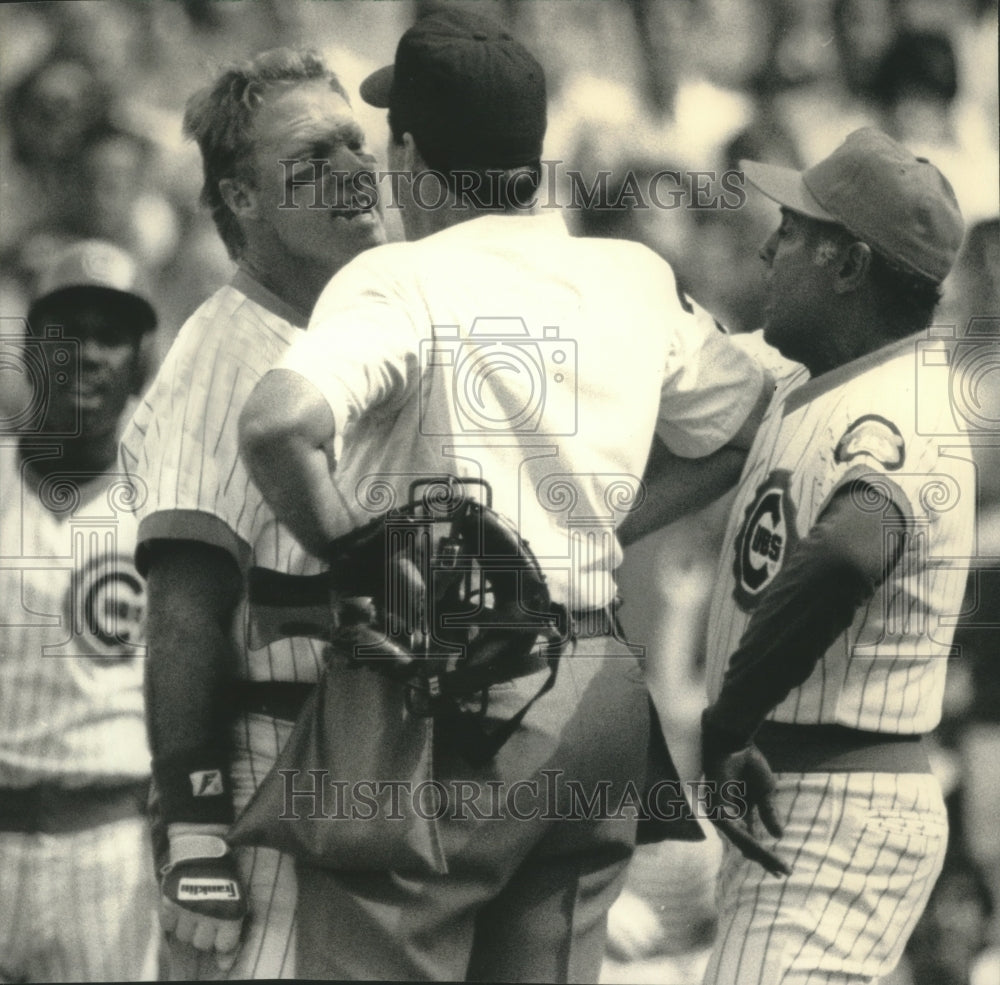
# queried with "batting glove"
point(202, 901)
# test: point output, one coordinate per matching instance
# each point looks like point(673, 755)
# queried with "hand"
point(202, 902)
point(747, 767)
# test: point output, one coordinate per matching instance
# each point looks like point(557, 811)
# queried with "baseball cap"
point(899, 204)
point(469, 93)
point(96, 267)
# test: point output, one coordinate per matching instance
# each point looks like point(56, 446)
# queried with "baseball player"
point(494, 347)
point(832, 618)
point(280, 146)
point(79, 899)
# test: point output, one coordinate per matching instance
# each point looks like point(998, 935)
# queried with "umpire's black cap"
point(469, 93)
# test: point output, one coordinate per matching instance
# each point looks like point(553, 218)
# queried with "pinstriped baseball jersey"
point(71, 627)
point(182, 443)
point(886, 672)
point(79, 906)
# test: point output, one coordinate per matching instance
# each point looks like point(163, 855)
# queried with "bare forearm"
point(675, 486)
point(295, 480)
point(286, 437)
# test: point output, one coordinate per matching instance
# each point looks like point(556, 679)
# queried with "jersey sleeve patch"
point(875, 437)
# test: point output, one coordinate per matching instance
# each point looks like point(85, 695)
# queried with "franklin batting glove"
point(202, 900)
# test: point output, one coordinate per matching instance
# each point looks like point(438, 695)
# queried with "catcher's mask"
point(442, 595)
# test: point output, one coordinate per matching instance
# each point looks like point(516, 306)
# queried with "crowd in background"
point(93, 93)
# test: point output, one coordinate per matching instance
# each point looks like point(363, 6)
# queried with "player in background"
point(844, 568)
point(79, 898)
point(403, 375)
point(280, 148)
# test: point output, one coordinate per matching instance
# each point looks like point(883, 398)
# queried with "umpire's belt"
point(284, 699)
point(792, 748)
point(48, 808)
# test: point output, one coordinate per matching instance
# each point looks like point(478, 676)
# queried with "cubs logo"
point(109, 598)
point(764, 539)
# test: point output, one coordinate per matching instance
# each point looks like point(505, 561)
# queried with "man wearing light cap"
point(843, 569)
point(79, 899)
point(496, 347)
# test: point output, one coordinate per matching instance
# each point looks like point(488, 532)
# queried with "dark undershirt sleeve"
point(833, 571)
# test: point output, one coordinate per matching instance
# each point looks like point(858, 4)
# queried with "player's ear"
point(239, 196)
point(853, 265)
point(413, 160)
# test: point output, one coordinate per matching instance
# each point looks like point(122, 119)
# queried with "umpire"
point(495, 348)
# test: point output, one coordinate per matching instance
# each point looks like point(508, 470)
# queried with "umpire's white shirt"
point(504, 349)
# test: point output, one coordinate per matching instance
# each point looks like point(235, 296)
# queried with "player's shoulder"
point(886, 379)
point(231, 326)
point(869, 410)
point(635, 260)
point(230, 315)
point(381, 269)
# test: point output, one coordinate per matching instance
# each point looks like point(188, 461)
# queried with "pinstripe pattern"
point(865, 850)
point(183, 442)
point(71, 706)
point(886, 672)
point(79, 907)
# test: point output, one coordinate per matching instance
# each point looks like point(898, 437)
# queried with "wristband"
point(194, 787)
point(191, 842)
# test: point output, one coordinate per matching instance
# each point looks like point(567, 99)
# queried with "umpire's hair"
point(220, 119)
point(491, 189)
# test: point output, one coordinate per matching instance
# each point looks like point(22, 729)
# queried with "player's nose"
point(766, 252)
point(92, 353)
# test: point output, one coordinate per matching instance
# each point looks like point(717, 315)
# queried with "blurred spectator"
point(92, 92)
point(52, 113)
point(916, 82)
point(116, 203)
point(916, 87)
point(822, 113)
